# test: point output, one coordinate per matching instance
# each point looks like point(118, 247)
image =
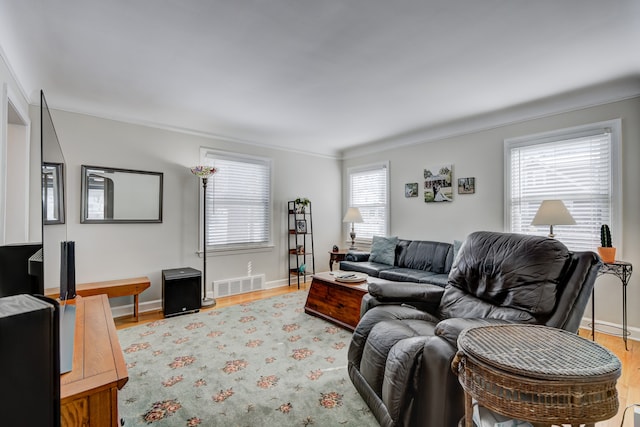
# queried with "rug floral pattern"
point(265, 363)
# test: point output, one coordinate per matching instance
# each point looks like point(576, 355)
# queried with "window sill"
point(236, 250)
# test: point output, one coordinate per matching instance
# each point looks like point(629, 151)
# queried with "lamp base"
point(353, 239)
point(208, 302)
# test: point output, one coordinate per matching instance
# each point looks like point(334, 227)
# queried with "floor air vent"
point(240, 285)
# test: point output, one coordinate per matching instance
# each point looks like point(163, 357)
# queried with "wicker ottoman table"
point(538, 374)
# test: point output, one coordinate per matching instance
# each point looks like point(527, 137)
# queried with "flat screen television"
point(58, 252)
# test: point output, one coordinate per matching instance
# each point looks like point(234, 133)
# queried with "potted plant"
point(606, 251)
point(301, 204)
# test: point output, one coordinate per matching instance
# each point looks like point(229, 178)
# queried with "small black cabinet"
point(180, 291)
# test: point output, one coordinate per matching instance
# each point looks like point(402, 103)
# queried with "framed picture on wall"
point(301, 226)
point(437, 184)
point(466, 185)
point(411, 189)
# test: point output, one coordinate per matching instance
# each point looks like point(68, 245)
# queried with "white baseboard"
point(155, 305)
point(633, 331)
point(127, 309)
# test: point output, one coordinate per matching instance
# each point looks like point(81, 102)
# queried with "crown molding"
point(188, 131)
point(606, 93)
point(18, 84)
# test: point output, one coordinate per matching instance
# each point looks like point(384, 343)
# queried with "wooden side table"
point(622, 270)
point(538, 374)
point(336, 257)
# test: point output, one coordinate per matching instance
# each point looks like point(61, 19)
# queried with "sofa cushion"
point(436, 279)
point(383, 250)
point(504, 270)
point(406, 275)
point(367, 267)
point(436, 257)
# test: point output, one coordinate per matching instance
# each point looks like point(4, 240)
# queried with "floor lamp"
point(204, 172)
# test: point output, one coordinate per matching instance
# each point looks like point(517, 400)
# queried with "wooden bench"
point(112, 288)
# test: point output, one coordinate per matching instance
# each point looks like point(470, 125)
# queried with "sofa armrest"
point(449, 329)
point(357, 256)
point(406, 292)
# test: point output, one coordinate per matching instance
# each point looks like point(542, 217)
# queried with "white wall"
point(480, 155)
point(17, 190)
point(112, 251)
point(12, 230)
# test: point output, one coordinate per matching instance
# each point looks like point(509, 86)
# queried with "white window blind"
point(238, 201)
point(368, 191)
point(576, 168)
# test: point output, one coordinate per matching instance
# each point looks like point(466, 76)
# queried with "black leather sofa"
point(400, 355)
point(418, 261)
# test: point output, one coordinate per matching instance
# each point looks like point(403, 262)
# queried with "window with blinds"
point(238, 201)
point(576, 166)
point(368, 191)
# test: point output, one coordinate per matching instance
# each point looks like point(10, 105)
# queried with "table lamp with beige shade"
point(553, 212)
point(353, 215)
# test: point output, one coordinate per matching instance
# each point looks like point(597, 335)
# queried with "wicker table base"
point(538, 374)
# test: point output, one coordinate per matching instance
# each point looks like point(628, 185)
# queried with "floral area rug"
point(264, 363)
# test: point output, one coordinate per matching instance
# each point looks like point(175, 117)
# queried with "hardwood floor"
point(150, 316)
point(628, 383)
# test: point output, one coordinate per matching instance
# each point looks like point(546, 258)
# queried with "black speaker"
point(181, 291)
point(15, 270)
point(67, 270)
point(30, 360)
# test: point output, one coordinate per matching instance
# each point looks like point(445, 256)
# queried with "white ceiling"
point(314, 75)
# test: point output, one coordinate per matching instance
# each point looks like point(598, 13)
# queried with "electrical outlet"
point(636, 416)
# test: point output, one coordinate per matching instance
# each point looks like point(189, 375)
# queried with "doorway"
point(14, 172)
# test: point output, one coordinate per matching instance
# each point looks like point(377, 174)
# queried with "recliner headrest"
point(509, 270)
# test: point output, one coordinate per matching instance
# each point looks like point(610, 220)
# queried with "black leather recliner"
point(401, 351)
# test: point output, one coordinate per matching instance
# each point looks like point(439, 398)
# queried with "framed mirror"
point(52, 193)
point(111, 195)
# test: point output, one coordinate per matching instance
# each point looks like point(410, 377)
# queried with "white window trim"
point(363, 168)
point(615, 127)
point(206, 155)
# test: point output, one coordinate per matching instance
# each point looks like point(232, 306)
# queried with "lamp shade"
point(352, 215)
point(553, 212)
point(203, 171)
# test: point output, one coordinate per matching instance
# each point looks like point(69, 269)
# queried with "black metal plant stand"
point(622, 270)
